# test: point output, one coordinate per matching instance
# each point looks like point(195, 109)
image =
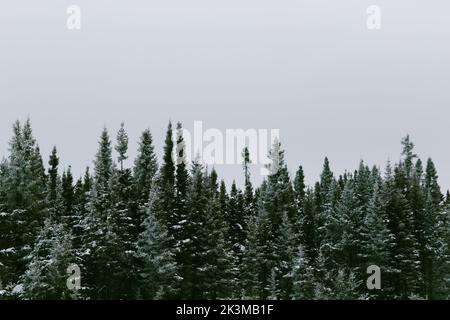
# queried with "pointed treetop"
point(122, 145)
point(103, 162)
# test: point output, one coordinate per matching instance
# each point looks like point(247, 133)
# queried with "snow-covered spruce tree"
point(280, 198)
point(144, 172)
point(257, 262)
point(299, 195)
point(325, 193)
point(23, 212)
point(6, 235)
point(182, 185)
point(300, 187)
point(145, 166)
point(346, 286)
point(404, 261)
point(122, 222)
point(53, 182)
point(45, 276)
point(99, 238)
point(158, 275)
point(326, 181)
point(67, 195)
point(164, 205)
point(236, 221)
point(249, 200)
point(178, 224)
point(308, 225)
point(276, 215)
point(166, 183)
point(411, 180)
point(303, 281)
point(222, 272)
point(323, 282)
point(346, 231)
point(436, 230)
point(193, 247)
point(70, 217)
point(281, 207)
point(248, 212)
point(330, 229)
point(77, 218)
point(283, 253)
point(376, 241)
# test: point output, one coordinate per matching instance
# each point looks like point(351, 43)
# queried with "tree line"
point(176, 231)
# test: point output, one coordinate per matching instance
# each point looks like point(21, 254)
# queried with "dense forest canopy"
point(174, 230)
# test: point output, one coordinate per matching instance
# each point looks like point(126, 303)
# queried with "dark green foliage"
point(172, 233)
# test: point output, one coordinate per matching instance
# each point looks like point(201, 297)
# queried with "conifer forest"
point(174, 230)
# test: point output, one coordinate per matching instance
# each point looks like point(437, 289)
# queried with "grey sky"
point(310, 68)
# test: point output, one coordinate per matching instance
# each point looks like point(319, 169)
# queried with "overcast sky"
point(309, 68)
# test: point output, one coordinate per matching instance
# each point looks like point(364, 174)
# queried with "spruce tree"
point(99, 236)
point(222, 272)
point(166, 183)
point(303, 281)
point(53, 178)
point(145, 167)
point(249, 201)
point(194, 249)
point(122, 145)
point(159, 276)
point(236, 221)
point(122, 224)
point(404, 255)
point(24, 205)
point(436, 265)
point(45, 276)
point(376, 240)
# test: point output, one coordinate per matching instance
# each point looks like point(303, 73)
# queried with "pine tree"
point(308, 226)
point(325, 193)
point(159, 278)
point(277, 215)
point(45, 275)
point(145, 167)
point(283, 251)
point(67, 197)
point(99, 236)
point(53, 178)
point(435, 259)
point(236, 221)
point(300, 187)
point(404, 256)
point(303, 281)
point(222, 270)
point(122, 222)
point(144, 174)
point(346, 286)
point(194, 248)
point(24, 192)
point(166, 183)
point(249, 201)
point(122, 145)
point(376, 239)
point(257, 262)
point(78, 216)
